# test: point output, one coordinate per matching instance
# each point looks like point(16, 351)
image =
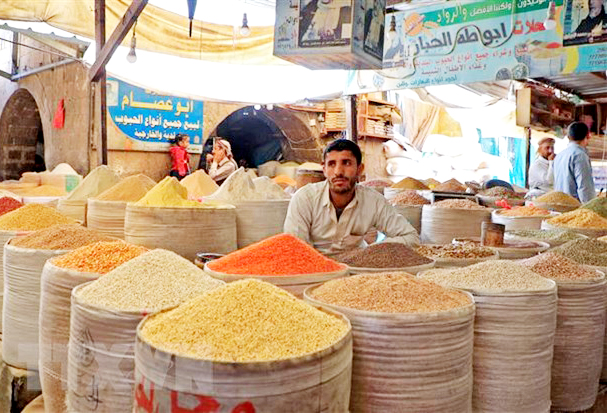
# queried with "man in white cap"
point(541, 176)
point(222, 161)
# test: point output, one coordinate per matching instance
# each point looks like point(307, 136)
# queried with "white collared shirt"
point(540, 174)
point(312, 218)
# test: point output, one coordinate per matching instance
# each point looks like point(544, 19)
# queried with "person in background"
point(221, 160)
point(541, 175)
point(334, 215)
point(596, 16)
point(180, 158)
point(572, 168)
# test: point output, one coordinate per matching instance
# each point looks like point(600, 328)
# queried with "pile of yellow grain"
point(410, 183)
point(558, 198)
point(244, 321)
point(579, 218)
point(169, 193)
point(130, 189)
point(60, 237)
point(524, 211)
point(43, 190)
point(32, 217)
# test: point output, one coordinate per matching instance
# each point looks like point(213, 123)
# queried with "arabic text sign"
point(151, 120)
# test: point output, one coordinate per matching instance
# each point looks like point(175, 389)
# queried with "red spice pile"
point(282, 254)
point(8, 204)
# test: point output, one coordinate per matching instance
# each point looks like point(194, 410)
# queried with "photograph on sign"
point(585, 22)
point(374, 27)
point(324, 23)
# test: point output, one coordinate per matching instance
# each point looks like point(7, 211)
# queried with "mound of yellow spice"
point(33, 217)
point(169, 193)
point(579, 218)
point(130, 189)
point(245, 321)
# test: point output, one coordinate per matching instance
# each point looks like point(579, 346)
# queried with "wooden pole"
point(100, 42)
point(351, 118)
point(528, 163)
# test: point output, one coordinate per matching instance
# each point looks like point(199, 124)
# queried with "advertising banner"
point(148, 121)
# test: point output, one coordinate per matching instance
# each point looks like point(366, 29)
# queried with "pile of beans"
point(153, 281)
point(499, 276)
point(559, 268)
point(461, 251)
point(245, 321)
point(584, 251)
point(579, 218)
point(598, 205)
point(499, 191)
point(383, 255)
point(458, 204)
point(524, 211)
point(60, 237)
point(389, 293)
point(32, 217)
point(409, 197)
point(559, 198)
point(452, 185)
point(100, 257)
point(281, 254)
point(550, 235)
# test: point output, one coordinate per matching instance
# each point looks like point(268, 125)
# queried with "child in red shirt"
point(180, 158)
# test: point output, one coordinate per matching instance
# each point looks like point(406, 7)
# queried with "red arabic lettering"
point(206, 404)
point(246, 407)
point(142, 400)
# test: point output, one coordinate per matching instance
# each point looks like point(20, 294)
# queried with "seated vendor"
point(334, 215)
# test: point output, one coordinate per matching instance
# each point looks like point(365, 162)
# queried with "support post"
point(351, 118)
point(528, 157)
point(100, 42)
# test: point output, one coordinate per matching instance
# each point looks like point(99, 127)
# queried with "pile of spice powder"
point(245, 321)
point(555, 266)
point(452, 185)
point(60, 237)
point(199, 184)
point(557, 234)
point(524, 211)
point(130, 189)
point(409, 197)
point(558, 198)
point(389, 293)
point(462, 251)
point(282, 254)
point(584, 251)
point(42, 190)
point(33, 217)
point(493, 277)
point(8, 204)
point(156, 280)
point(458, 204)
point(410, 183)
point(97, 181)
point(169, 193)
point(498, 191)
point(431, 182)
point(382, 255)
point(579, 218)
point(100, 257)
point(598, 205)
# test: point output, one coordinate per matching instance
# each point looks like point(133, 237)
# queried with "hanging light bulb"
point(244, 29)
point(269, 106)
point(392, 31)
point(132, 56)
point(257, 107)
point(512, 91)
point(550, 22)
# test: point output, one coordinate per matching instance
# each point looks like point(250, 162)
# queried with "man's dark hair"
point(339, 145)
point(577, 131)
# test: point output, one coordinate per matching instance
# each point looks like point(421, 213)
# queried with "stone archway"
point(291, 128)
point(20, 131)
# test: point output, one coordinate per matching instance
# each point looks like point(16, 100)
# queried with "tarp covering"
point(158, 30)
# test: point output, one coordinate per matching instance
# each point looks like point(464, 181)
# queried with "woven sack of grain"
point(513, 348)
point(410, 362)
point(186, 231)
point(73, 209)
point(413, 214)
point(317, 382)
point(441, 225)
point(578, 345)
point(106, 217)
point(257, 220)
point(20, 315)
point(100, 358)
point(4, 237)
point(513, 223)
point(55, 301)
point(589, 232)
point(295, 284)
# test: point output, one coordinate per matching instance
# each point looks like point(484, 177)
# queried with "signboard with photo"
point(585, 22)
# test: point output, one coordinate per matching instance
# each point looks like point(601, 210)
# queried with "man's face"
point(546, 149)
point(596, 4)
point(342, 171)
